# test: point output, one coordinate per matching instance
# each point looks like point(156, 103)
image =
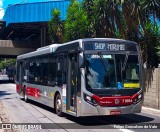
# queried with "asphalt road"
point(13, 109)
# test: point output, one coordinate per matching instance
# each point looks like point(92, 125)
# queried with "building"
point(24, 26)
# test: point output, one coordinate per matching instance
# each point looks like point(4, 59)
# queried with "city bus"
point(85, 77)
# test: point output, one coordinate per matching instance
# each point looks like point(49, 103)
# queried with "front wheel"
point(58, 105)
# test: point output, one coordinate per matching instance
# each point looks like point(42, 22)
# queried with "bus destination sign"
point(109, 46)
point(104, 46)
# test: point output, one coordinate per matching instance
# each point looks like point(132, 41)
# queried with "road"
point(13, 109)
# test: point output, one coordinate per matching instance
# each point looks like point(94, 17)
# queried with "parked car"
point(4, 78)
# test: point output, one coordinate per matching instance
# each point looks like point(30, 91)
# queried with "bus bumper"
point(89, 110)
point(136, 108)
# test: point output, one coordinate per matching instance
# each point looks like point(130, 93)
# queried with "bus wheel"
point(25, 96)
point(58, 105)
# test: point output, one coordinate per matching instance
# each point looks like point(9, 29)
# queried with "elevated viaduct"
point(24, 27)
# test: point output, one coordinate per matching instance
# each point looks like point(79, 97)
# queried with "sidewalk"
point(151, 111)
point(1, 113)
point(4, 117)
point(1, 117)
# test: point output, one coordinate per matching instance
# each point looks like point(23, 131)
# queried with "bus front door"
point(72, 83)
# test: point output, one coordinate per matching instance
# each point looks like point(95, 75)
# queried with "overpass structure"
point(11, 48)
point(24, 26)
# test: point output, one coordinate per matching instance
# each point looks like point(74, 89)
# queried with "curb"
point(151, 109)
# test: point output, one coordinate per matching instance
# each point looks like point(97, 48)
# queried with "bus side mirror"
point(81, 61)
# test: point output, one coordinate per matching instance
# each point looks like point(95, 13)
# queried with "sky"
point(5, 3)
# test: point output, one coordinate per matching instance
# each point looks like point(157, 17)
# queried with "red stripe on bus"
point(35, 92)
point(115, 101)
point(17, 88)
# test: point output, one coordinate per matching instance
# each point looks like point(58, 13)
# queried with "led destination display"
point(109, 46)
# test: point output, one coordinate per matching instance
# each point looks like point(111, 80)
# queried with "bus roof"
point(108, 39)
point(54, 47)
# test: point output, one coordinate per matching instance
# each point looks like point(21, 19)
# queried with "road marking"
point(125, 130)
point(12, 84)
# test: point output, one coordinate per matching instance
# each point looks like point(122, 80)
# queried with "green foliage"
point(6, 63)
point(126, 19)
point(151, 7)
point(133, 20)
point(150, 41)
point(56, 27)
point(76, 24)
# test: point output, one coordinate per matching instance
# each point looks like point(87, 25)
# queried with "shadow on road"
point(4, 93)
point(102, 120)
point(109, 120)
point(6, 82)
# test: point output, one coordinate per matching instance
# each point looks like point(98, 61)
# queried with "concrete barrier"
point(151, 84)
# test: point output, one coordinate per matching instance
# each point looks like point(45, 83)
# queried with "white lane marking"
point(126, 130)
point(12, 84)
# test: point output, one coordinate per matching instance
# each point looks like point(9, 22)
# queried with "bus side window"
point(31, 78)
point(45, 70)
point(38, 72)
point(52, 71)
point(63, 63)
point(61, 71)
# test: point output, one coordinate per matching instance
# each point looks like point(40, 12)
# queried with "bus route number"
point(127, 100)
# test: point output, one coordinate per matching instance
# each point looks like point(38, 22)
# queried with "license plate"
point(115, 112)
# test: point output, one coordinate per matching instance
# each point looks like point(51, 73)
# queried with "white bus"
point(85, 77)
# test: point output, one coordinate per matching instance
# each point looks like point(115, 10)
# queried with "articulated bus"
point(85, 77)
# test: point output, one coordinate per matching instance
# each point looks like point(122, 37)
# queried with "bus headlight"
point(138, 98)
point(90, 100)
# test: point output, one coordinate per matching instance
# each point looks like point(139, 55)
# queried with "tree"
point(150, 42)
point(56, 27)
point(141, 28)
point(5, 63)
point(88, 6)
point(76, 24)
point(127, 19)
point(152, 8)
point(102, 15)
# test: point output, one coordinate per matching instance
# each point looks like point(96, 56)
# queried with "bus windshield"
point(112, 71)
